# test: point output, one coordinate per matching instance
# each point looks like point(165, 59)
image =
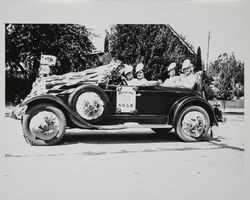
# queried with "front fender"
point(54, 100)
point(188, 101)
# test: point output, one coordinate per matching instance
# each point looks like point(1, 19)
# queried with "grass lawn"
point(239, 103)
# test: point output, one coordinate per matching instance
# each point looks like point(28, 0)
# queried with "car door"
point(155, 100)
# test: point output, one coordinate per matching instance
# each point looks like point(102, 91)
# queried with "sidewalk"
point(233, 111)
point(8, 110)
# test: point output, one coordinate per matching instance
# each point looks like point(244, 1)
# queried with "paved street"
point(128, 164)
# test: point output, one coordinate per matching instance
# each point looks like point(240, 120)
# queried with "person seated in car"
point(188, 79)
point(173, 80)
point(141, 80)
point(139, 73)
point(129, 76)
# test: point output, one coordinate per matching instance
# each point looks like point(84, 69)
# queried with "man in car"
point(173, 80)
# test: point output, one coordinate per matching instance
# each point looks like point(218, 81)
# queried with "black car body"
point(106, 105)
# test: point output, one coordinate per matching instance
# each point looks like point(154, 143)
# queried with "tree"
point(225, 70)
point(198, 66)
point(239, 73)
point(70, 43)
point(155, 45)
point(106, 43)
point(207, 80)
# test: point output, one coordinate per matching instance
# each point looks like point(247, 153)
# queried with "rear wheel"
point(192, 124)
point(43, 125)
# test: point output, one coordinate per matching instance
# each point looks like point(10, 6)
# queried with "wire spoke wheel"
point(193, 124)
point(44, 125)
point(89, 105)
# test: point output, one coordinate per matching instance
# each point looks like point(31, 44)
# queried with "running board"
point(132, 125)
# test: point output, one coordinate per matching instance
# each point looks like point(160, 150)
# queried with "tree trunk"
point(224, 104)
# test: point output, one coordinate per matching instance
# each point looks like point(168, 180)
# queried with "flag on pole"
point(48, 60)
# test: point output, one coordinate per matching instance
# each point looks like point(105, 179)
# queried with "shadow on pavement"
point(225, 146)
point(118, 138)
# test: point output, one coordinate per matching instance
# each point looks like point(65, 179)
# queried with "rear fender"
point(51, 99)
point(189, 101)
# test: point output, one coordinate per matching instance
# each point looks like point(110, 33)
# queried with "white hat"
point(171, 66)
point(128, 68)
point(186, 64)
point(139, 67)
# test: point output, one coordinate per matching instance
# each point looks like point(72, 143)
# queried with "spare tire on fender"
point(90, 103)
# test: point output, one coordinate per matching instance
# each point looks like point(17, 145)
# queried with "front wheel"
point(43, 125)
point(193, 124)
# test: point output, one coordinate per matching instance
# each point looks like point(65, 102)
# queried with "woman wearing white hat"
point(140, 74)
point(173, 80)
point(141, 80)
point(188, 79)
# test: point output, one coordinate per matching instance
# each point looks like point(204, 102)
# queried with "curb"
point(232, 113)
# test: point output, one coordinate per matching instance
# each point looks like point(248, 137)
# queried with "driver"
point(128, 71)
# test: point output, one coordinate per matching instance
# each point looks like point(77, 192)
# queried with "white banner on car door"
point(126, 99)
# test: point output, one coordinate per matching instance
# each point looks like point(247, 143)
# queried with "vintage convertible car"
point(93, 104)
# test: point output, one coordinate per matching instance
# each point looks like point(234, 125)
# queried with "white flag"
point(48, 60)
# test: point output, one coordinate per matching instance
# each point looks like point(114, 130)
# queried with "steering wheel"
point(123, 81)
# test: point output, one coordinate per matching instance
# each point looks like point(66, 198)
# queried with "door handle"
point(138, 95)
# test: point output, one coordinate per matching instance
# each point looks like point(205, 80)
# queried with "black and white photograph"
point(124, 100)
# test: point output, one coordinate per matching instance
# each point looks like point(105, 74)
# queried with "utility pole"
point(208, 43)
